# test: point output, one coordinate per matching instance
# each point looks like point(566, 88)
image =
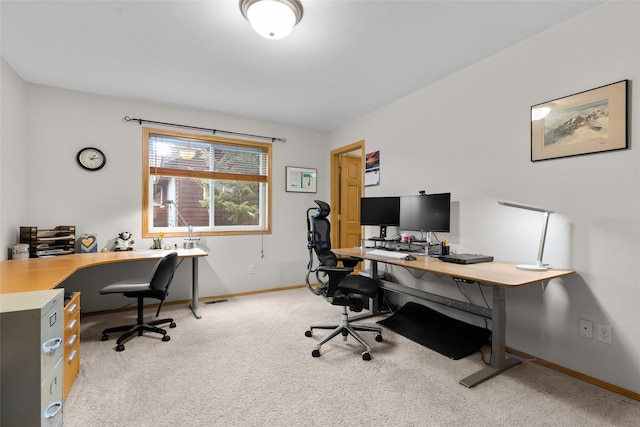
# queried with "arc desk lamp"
point(538, 266)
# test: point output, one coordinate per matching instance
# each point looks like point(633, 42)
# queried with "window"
point(215, 185)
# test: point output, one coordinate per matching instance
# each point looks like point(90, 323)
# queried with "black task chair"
point(157, 287)
point(335, 281)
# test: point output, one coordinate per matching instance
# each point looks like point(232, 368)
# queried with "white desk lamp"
point(538, 266)
point(190, 240)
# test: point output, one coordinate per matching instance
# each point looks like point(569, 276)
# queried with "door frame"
point(335, 182)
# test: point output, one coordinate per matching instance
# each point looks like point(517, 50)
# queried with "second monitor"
point(380, 211)
point(426, 212)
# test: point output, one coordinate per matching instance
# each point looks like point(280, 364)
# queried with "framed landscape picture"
point(587, 122)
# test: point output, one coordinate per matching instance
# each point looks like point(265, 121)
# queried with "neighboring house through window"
point(216, 185)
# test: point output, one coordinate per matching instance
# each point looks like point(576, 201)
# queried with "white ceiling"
point(342, 61)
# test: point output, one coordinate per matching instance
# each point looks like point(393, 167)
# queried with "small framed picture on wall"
point(301, 180)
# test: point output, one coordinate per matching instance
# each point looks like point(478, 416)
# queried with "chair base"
point(345, 328)
point(138, 329)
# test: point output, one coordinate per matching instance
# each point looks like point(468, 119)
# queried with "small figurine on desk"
point(124, 242)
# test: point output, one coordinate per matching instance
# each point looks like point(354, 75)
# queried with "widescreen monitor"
point(380, 211)
point(426, 212)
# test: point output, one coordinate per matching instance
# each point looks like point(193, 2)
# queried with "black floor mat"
point(450, 337)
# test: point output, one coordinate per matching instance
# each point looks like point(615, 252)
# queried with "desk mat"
point(449, 337)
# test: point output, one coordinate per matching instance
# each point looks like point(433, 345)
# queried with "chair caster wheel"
point(120, 347)
point(166, 338)
point(308, 333)
point(379, 337)
point(172, 325)
point(315, 353)
point(366, 355)
point(105, 337)
point(345, 333)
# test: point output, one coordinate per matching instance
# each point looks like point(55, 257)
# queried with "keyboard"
point(388, 254)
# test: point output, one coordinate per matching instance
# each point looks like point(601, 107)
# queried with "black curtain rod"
point(214, 131)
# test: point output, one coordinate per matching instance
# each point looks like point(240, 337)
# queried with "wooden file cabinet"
point(71, 342)
point(31, 357)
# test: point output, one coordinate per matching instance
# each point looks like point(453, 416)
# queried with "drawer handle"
point(72, 324)
point(72, 308)
point(53, 409)
point(51, 345)
point(72, 356)
point(72, 340)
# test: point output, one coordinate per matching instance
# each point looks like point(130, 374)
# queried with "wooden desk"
point(36, 274)
point(498, 275)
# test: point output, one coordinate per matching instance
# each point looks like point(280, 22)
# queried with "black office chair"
point(157, 287)
point(335, 281)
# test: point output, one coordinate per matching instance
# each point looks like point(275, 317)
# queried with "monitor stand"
point(428, 244)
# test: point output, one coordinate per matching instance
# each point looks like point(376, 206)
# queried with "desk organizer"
point(49, 242)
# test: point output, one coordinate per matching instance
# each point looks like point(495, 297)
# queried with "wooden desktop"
point(36, 274)
point(499, 275)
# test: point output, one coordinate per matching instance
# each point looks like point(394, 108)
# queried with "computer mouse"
point(410, 258)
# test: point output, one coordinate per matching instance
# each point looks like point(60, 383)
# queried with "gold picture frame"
point(593, 121)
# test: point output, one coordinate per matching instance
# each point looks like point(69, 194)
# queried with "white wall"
point(12, 155)
point(60, 122)
point(470, 134)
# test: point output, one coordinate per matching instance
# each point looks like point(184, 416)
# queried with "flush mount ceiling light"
point(272, 19)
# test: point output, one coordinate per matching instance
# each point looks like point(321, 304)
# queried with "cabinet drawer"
point(51, 398)
point(52, 339)
point(71, 369)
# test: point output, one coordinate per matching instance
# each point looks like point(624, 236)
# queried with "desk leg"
point(194, 288)
point(499, 363)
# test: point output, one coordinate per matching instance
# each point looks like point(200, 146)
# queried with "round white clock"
point(91, 159)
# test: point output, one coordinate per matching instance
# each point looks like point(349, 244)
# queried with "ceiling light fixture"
point(272, 19)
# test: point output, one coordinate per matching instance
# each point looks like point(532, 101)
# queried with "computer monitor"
point(426, 212)
point(380, 211)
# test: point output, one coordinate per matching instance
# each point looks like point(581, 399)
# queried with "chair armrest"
point(327, 269)
point(349, 261)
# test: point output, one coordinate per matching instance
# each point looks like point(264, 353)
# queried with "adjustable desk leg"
point(194, 288)
point(499, 363)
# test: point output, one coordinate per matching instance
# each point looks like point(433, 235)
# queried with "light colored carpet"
point(248, 363)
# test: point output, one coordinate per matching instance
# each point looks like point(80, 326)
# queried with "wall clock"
point(91, 159)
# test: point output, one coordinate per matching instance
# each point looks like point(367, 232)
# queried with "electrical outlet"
point(585, 328)
point(604, 334)
point(252, 269)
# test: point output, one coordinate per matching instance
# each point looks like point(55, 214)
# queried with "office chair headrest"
point(324, 209)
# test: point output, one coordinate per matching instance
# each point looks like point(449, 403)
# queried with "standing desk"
point(37, 274)
point(498, 275)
